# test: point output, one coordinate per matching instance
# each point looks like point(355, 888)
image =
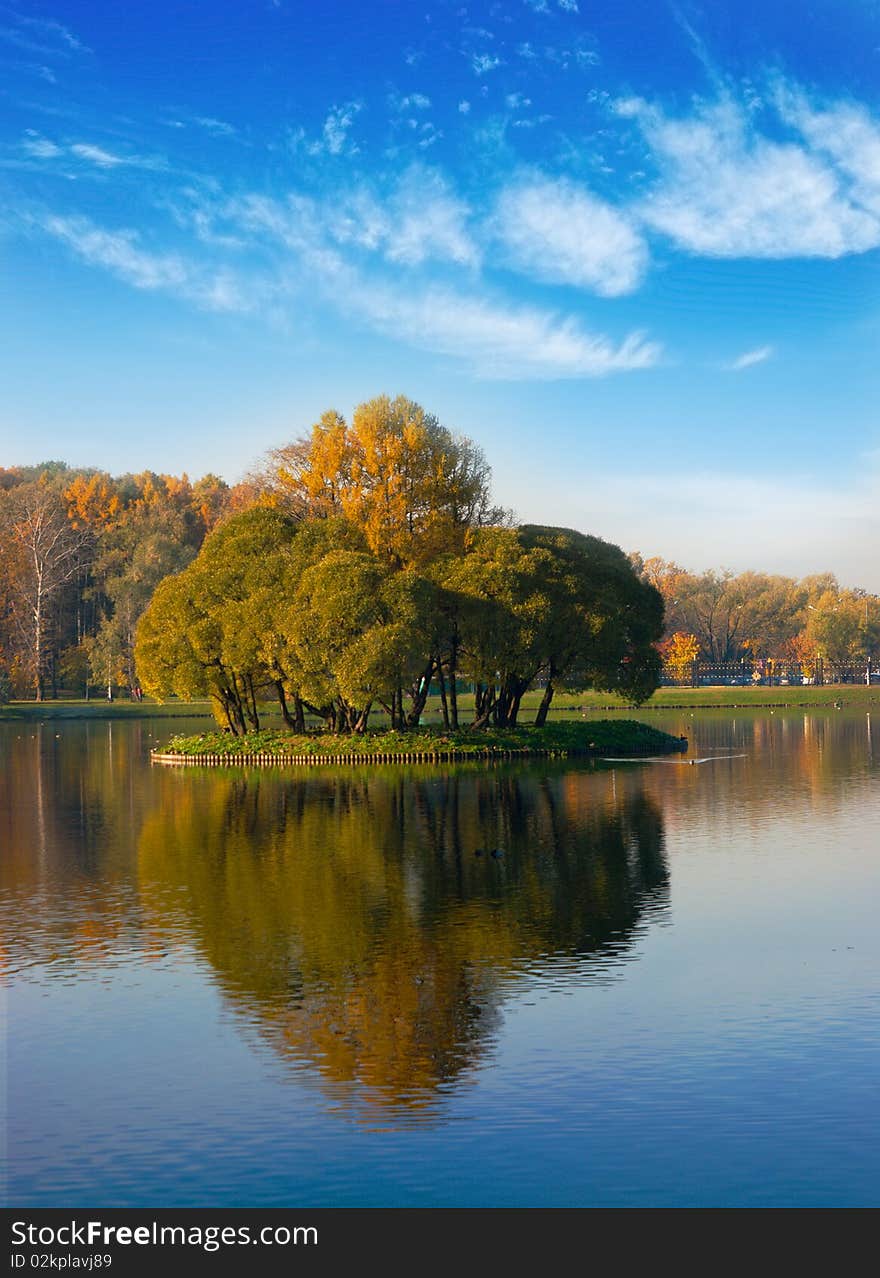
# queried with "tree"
point(49, 553)
point(679, 653)
point(361, 632)
point(843, 626)
point(411, 485)
point(556, 601)
point(604, 620)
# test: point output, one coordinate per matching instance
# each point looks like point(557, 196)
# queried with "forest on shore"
point(358, 566)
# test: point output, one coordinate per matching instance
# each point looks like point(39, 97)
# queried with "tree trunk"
point(484, 704)
point(38, 643)
point(361, 726)
point(299, 718)
point(282, 701)
point(444, 706)
point(453, 692)
point(250, 703)
point(419, 696)
point(541, 716)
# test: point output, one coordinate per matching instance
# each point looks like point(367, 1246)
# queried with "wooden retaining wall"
point(414, 756)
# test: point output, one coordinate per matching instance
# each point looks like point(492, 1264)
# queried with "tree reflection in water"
point(368, 926)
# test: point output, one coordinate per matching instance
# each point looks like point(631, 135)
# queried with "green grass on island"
point(599, 737)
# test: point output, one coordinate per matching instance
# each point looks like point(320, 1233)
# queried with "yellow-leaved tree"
point(412, 486)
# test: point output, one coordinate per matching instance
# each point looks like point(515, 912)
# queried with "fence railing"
point(768, 673)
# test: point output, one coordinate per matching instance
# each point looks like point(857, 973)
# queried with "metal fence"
point(768, 673)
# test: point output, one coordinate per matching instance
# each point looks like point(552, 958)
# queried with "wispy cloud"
point(845, 132)
point(40, 35)
point(725, 190)
point(411, 102)
point(96, 155)
point(56, 31)
point(120, 252)
point(483, 63)
point(39, 147)
point(420, 219)
point(337, 126)
point(334, 137)
point(749, 358)
point(218, 128)
point(560, 232)
point(306, 254)
point(498, 341)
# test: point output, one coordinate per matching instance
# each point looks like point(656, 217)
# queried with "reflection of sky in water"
point(706, 1039)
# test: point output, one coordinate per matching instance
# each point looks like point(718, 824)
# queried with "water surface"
point(547, 984)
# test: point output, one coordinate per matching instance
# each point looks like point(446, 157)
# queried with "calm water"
point(323, 989)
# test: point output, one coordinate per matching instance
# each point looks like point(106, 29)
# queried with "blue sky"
point(630, 247)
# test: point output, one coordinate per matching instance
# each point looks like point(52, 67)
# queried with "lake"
point(559, 983)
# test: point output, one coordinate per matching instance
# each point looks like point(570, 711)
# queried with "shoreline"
point(837, 696)
point(554, 740)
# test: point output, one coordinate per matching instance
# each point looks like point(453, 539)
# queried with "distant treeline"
point(82, 552)
point(721, 617)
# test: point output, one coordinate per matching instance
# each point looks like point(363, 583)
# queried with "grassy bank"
point(597, 738)
point(849, 694)
point(100, 709)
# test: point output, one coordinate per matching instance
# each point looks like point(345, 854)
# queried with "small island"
point(375, 572)
point(604, 737)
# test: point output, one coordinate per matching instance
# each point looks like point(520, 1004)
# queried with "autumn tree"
point(409, 483)
point(679, 652)
point(843, 626)
point(48, 552)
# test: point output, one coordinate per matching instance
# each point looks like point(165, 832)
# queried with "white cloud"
point(464, 107)
point(42, 148)
point(570, 6)
point(419, 220)
point(844, 132)
point(749, 358)
point(39, 147)
point(496, 339)
point(219, 128)
point(96, 155)
point(334, 139)
point(560, 232)
point(120, 253)
point(336, 127)
point(500, 341)
point(725, 190)
point(414, 102)
point(55, 31)
point(482, 63)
